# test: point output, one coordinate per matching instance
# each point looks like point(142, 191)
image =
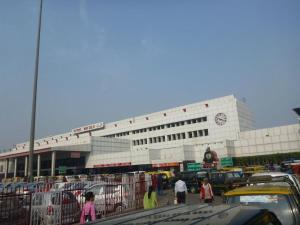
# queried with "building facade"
point(168, 137)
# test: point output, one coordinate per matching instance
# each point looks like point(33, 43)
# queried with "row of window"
point(160, 127)
point(171, 137)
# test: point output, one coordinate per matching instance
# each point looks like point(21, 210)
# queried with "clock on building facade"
point(220, 119)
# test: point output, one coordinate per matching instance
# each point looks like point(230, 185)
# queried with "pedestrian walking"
point(206, 192)
point(159, 184)
point(88, 211)
point(180, 191)
point(150, 199)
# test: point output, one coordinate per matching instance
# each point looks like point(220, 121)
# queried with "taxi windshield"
point(278, 204)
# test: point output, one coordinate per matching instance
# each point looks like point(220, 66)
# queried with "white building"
point(164, 138)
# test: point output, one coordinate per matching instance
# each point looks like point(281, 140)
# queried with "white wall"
point(274, 140)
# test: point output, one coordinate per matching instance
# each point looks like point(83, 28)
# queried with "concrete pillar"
point(15, 167)
point(38, 168)
point(26, 166)
point(6, 167)
point(53, 158)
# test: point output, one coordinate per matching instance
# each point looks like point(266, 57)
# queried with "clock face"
point(221, 119)
point(208, 156)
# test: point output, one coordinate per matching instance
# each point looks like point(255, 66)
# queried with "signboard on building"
point(88, 128)
point(113, 165)
point(75, 155)
point(194, 166)
point(158, 165)
point(227, 161)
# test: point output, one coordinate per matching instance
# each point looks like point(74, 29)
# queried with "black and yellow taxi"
point(281, 200)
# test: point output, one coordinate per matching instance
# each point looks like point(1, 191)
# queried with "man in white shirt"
point(180, 191)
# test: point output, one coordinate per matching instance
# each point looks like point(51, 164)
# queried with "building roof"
point(260, 190)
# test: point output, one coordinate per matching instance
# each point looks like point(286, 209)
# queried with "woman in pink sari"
point(88, 211)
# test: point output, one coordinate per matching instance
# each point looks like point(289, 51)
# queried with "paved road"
point(168, 199)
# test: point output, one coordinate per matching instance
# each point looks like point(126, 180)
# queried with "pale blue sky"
point(108, 60)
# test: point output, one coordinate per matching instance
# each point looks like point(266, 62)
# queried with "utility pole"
point(35, 82)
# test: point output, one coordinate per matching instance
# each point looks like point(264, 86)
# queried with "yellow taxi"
point(234, 169)
point(281, 200)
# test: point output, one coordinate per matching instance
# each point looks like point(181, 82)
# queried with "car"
point(72, 178)
point(224, 181)
point(109, 198)
point(291, 177)
point(279, 200)
point(199, 214)
point(51, 207)
point(12, 210)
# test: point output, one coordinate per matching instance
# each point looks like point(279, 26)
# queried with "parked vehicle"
point(12, 210)
point(277, 199)
point(47, 208)
point(200, 214)
point(224, 181)
point(109, 198)
point(291, 177)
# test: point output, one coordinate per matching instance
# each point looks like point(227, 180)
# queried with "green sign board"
point(194, 166)
point(62, 170)
point(227, 161)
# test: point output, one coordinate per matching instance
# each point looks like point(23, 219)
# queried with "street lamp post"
point(33, 112)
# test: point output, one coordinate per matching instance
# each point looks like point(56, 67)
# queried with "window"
point(150, 140)
point(163, 138)
point(159, 139)
point(154, 140)
point(142, 141)
point(173, 125)
point(194, 121)
point(169, 137)
point(182, 123)
point(204, 119)
point(162, 126)
point(199, 120)
point(177, 124)
point(145, 141)
point(168, 125)
point(195, 134)
point(154, 128)
point(190, 134)
point(145, 130)
point(158, 128)
point(137, 142)
point(178, 136)
point(173, 136)
point(189, 122)
point(150, 128)
point(206, 132)
point(183, 135)
point(200, 133)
